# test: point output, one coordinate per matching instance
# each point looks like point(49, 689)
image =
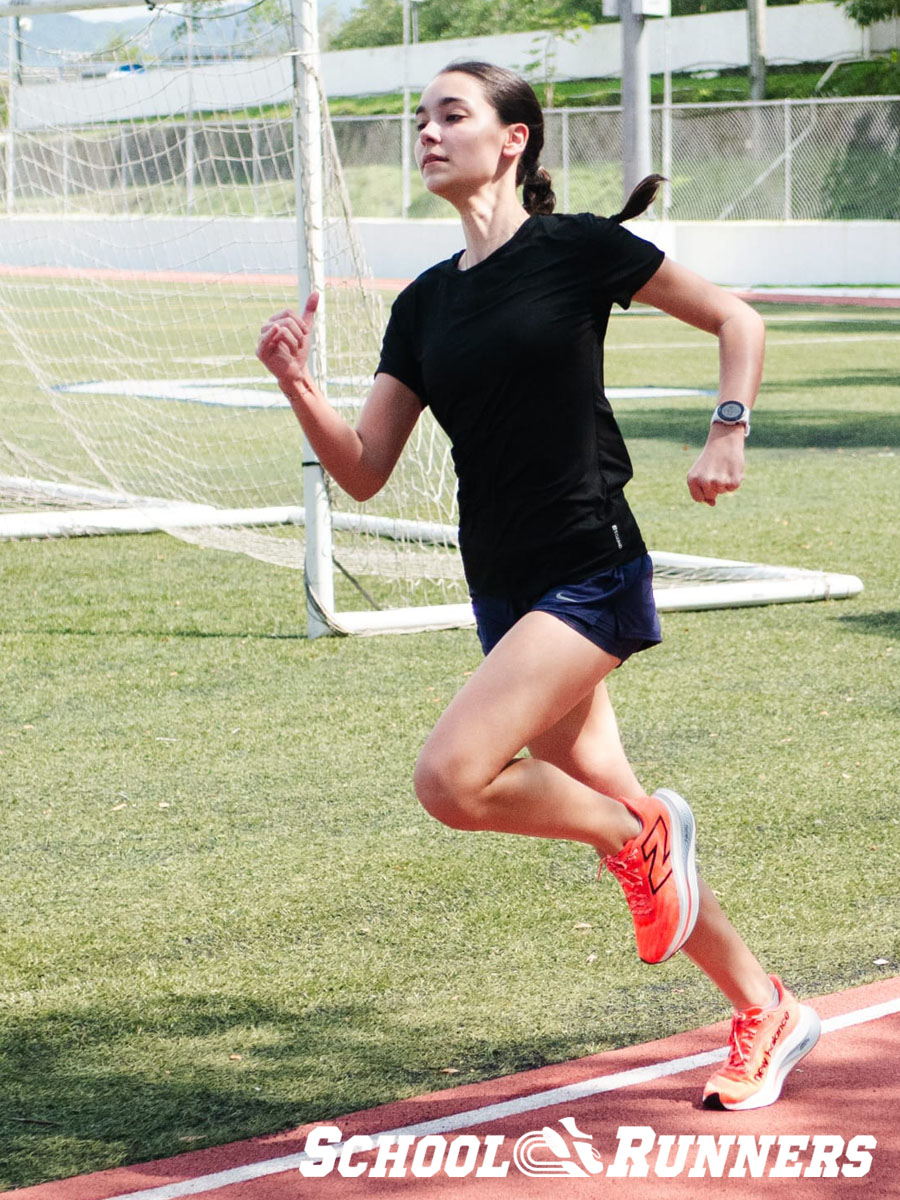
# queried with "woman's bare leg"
point(585, 743)
point(532, 678)
point(465, 777)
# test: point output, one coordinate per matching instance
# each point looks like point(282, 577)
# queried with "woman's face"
point(461, 144)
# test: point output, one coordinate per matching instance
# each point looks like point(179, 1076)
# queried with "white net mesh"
point(151, 226)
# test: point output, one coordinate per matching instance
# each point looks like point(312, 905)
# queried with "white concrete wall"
point(786, 253)
point(728, 252)
point(802, 32)
point(732, 252)
point(798, 33)
point(140, 95)
point(190, 245)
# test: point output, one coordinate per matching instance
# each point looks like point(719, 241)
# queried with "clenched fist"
point(720, 467)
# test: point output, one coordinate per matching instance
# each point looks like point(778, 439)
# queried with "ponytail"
point(515, 103)
point(538, 196)
point(640, 199)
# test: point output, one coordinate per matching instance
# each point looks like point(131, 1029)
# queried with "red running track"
point(833, 1134)
point(817, 296)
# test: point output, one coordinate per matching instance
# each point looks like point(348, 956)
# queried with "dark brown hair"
point(642, 196)
point(515, 103)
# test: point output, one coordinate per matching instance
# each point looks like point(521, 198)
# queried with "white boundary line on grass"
point(491, 1112)
point(253, 391)
point(776, 341)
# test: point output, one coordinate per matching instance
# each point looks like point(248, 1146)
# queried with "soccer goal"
point(159, 205)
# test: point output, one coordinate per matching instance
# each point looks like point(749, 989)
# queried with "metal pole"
point(404, 129)
point(123, 153)
point(189, 128)
point(788, 165)
point(19, 27)
point(756, 36)
point(667, 120)
point(11, 117)
point(66, 181)
point(256, 168)
point(566, 164)
point(311, 277)
point(636, 158)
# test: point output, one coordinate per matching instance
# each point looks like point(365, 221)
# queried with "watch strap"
point(732, 412)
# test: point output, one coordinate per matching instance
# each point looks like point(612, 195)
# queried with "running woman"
point(505, 342)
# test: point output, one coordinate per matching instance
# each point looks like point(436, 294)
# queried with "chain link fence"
point(775, 160)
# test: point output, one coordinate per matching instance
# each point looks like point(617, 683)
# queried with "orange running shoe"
point(658, 875)
point(765, 1044)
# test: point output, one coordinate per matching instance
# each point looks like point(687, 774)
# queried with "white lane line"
point(492, 1112)
point(255, 392)
point(712, 344)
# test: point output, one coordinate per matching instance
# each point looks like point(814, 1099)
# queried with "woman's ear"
point(516, 140)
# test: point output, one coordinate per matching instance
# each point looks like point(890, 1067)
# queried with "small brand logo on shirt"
point(615, 532)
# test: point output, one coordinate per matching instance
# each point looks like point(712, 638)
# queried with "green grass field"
point(223, 911)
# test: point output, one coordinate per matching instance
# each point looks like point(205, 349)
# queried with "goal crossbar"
point(28, 8)
point(682, 582)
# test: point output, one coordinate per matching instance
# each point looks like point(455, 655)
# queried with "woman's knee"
point(447, 790)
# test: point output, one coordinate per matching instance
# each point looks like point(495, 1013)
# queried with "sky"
point(109, 14)
point(137, 10)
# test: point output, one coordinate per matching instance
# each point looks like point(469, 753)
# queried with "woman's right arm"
point(360, 460)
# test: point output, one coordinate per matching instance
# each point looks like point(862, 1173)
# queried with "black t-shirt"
point(509, 356)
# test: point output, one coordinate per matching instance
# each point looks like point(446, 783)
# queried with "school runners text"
point(567, 1152)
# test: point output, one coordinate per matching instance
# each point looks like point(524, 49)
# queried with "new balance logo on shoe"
point(656, 852)
point(658, 875)
point(763, 1067)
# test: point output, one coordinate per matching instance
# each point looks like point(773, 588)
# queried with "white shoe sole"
point(684, 866)
point(801, 1040)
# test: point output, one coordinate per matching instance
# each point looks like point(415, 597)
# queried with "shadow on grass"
point(823, 429)
point(830, 328)
point(882, 624)
point(79, 1092)
point(67, 1106)
point(867, 378)
point(161, 633)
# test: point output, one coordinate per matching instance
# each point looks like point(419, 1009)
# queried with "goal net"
point(154, 217)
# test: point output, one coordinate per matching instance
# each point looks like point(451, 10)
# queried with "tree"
point(121, 49)
point(868, 12)
point(380, 22)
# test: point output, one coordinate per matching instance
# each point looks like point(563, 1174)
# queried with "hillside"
point(153, 35)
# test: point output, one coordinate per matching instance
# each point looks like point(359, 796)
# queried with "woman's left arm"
point(741, 334)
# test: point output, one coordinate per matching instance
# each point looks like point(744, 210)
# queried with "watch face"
point(731, 410)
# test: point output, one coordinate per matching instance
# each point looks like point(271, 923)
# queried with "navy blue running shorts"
point(615, 610)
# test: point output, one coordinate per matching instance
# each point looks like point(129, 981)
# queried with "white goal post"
point(154, 217)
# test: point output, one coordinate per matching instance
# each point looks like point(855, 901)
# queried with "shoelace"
point(626, 868)
point(743, 1030)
